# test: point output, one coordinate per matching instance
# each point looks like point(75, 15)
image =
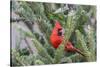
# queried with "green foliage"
point(59, 54)
point(42, 51)
point(73, 19)
point(27, 12)
point(89, 56)
point(70, 25)
point(38, 62)
point(82, 18)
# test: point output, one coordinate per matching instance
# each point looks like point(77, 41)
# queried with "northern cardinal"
point(57, 37)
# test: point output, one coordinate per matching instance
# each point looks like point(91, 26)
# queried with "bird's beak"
point(63, 32)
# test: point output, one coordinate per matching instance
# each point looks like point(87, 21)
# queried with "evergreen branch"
point(91, 43)
point(81, 41)
point(59, 54)
point(26, 11)
point(83, 46)
point(38, 62)
point(70, 25)
point(42, 51)
point(76, 57)
point(66, 60)
point(17, 57)
point(62, 9)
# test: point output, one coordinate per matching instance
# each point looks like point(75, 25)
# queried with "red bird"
point(57, 37)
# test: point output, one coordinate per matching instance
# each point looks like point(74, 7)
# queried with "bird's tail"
point(78, 51)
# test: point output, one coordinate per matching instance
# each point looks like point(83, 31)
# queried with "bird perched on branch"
point(57, 36)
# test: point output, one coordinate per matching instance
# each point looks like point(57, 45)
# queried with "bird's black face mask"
point(60, 32)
